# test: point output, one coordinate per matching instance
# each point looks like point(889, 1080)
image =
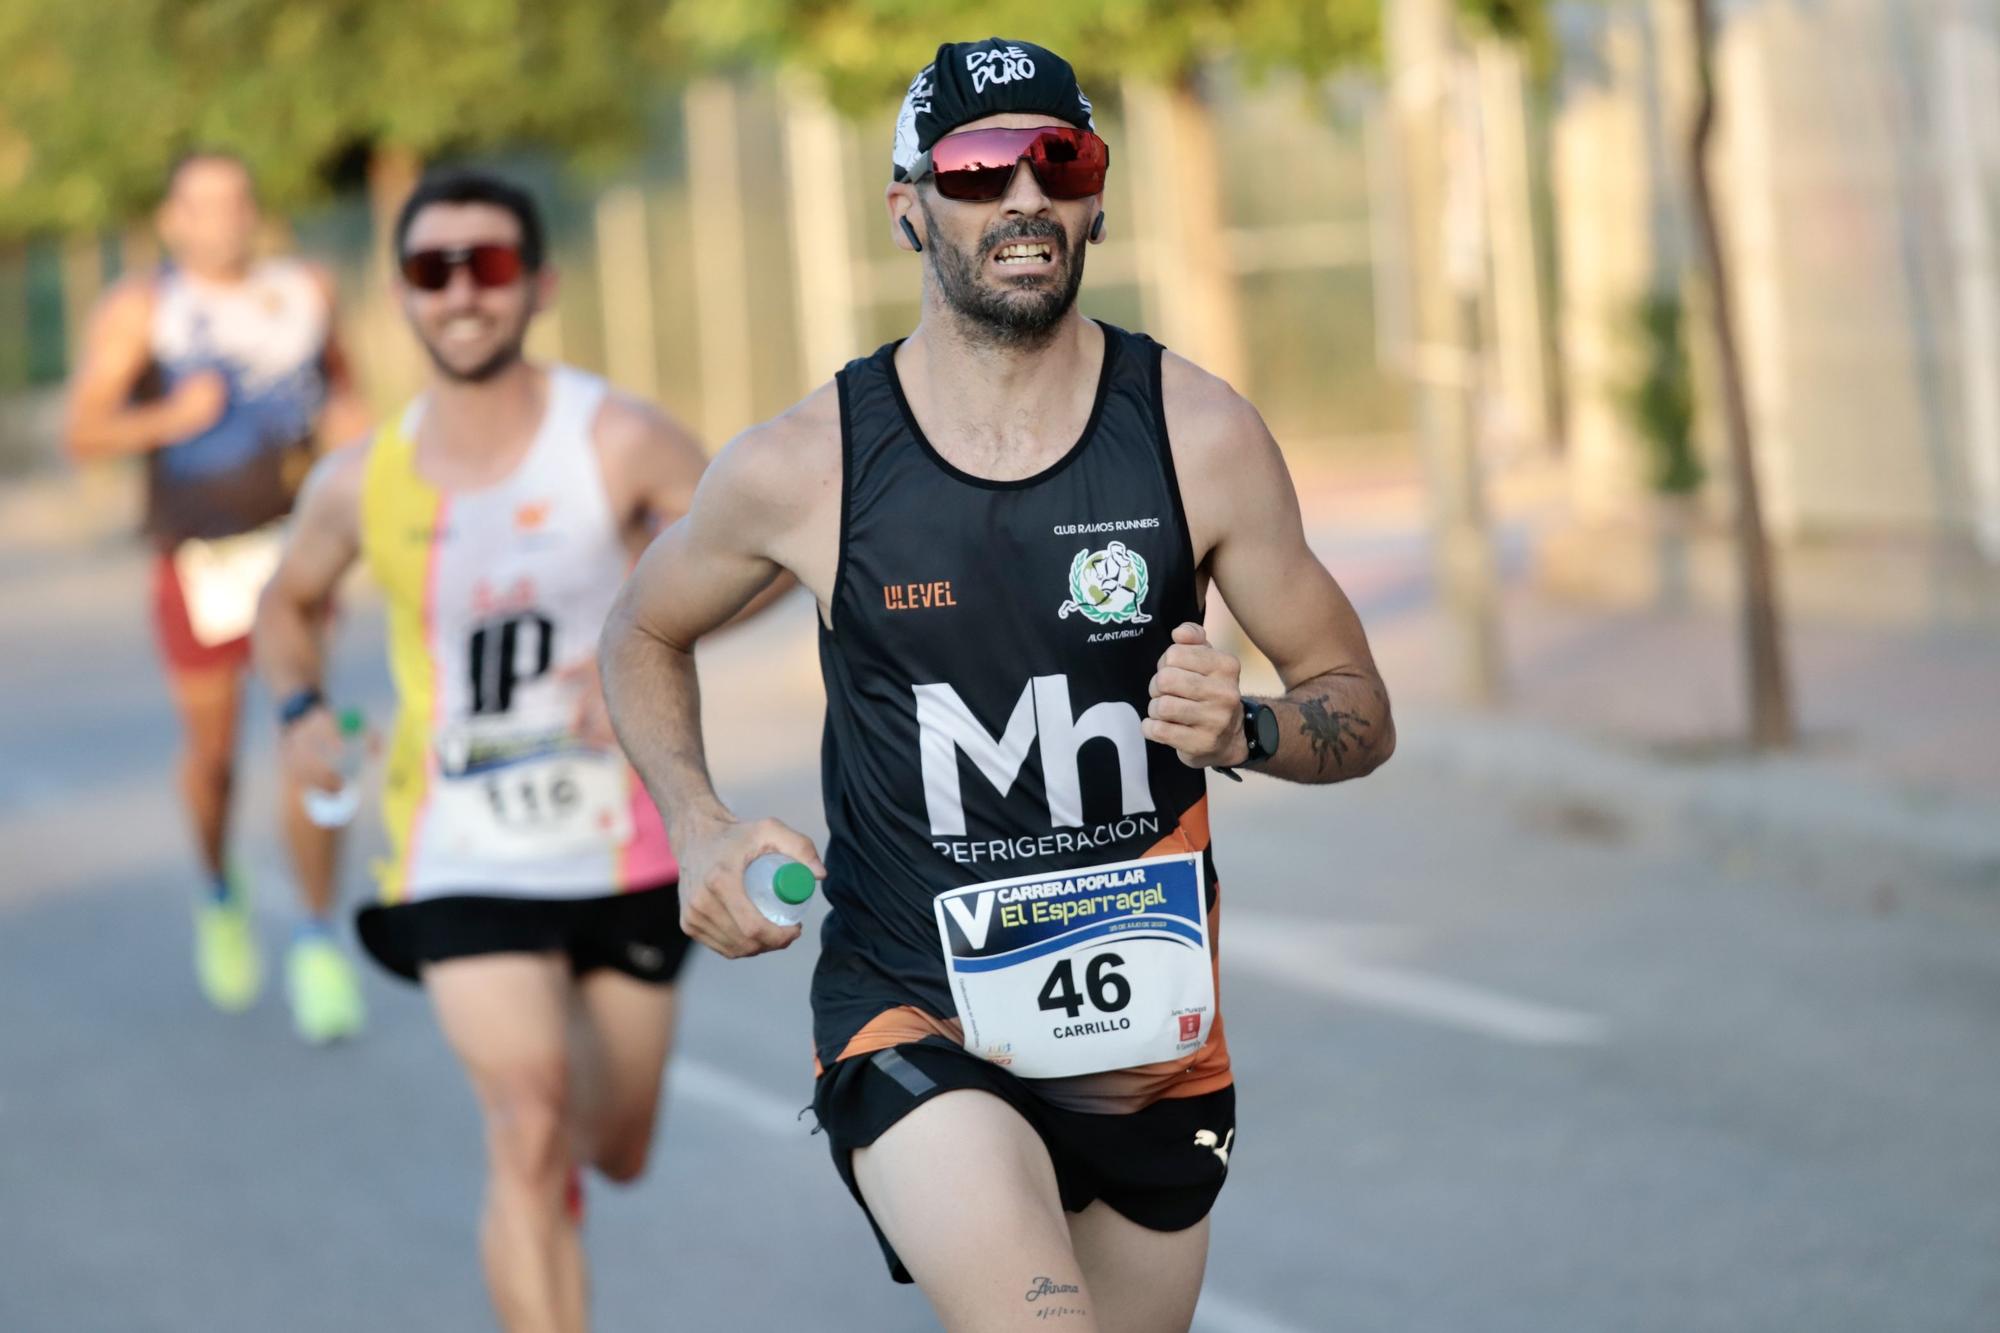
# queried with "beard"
point(1019, 314)
point(503, 356)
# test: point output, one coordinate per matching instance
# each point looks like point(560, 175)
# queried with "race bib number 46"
point(1082, 971)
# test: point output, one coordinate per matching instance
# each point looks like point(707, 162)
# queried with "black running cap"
point(969, 81)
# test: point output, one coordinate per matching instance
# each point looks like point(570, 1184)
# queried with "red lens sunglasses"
point(975, 166)
point(490, 266)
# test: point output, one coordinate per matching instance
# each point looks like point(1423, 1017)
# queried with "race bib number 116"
point(1084, 970)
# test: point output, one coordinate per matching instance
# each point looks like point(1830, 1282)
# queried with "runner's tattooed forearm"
point(1332, 731)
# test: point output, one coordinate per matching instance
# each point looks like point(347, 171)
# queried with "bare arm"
point(697, 575)
point(652, 464)
point(100, 420)
point(289, 636)
point(1334, 719)
point(656, 463)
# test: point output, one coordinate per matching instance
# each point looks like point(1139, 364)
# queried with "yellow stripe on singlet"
point(401, 515)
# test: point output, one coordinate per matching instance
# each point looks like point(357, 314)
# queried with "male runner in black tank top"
point(1010, 521)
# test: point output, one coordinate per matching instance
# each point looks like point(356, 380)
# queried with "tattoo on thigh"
point(1332, 732)
point(1051, 1299)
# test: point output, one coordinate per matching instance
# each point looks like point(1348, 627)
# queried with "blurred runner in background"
point(530, 888)
point(222, 370)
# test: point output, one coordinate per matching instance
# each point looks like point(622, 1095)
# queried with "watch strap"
point(298, 703)
point(1251, 709)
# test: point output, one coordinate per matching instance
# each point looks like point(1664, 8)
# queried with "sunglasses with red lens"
point(975, 166)
point(490, 266)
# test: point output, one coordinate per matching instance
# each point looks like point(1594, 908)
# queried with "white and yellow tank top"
point(494, 596)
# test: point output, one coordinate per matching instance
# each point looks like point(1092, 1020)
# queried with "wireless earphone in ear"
point(911, 232)
point(1097, 227)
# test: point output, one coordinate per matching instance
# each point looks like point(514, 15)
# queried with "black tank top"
point(986, 674)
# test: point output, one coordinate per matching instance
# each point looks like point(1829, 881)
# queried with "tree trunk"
point(625, 287)
point(1967, 65)
point(1445, 250)
point(1771, 722)
point(82, 262)
point(1190, 281)
point(717, 222)
point(388, 373)
point(823, 251)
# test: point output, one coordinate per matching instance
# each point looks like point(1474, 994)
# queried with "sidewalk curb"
point(1779, 798)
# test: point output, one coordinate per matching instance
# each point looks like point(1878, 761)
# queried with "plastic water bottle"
point(779, 887)
point(336, 808)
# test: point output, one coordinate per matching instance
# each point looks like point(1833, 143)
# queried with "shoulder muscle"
point(775, 477)
point(1230, 468)
point(651, 462)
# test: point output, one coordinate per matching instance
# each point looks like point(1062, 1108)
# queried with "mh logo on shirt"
point(946, 728)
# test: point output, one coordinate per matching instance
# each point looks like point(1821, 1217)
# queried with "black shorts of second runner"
point(637, 932)
point(1161, 1166)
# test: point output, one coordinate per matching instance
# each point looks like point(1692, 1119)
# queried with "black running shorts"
point(637, 933)
point(1160, 1167)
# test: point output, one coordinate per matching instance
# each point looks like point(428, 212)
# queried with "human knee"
point(625, 1148)
point(528, 1122)
point(208, 764)
point(622, 1163)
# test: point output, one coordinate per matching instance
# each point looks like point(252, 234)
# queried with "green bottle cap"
point(351, 722)
point(793, 883)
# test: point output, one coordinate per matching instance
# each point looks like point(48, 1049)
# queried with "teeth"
point(1023, 252)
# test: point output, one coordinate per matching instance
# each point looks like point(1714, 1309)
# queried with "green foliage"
point(1660, 404)
point(1524, 22)
point(97, 99)
point(866, 50)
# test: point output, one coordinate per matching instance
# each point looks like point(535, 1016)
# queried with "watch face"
point(1266, 722)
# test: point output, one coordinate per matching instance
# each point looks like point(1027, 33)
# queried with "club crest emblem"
point(1107, 586)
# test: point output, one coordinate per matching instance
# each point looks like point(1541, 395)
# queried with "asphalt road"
point(1503, 1064)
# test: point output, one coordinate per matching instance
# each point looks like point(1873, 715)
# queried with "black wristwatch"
point(1260, 733)
point(1260, 728)
point(298, 703)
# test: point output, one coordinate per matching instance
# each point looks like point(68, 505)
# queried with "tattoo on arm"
point(1333, 733)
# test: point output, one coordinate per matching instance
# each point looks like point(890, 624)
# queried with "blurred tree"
point(1768, 678)
point(97, 101)
point(866, 50)
point(1659, 401)
point(1151, 53)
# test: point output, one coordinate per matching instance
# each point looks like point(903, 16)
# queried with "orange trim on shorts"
point(896, 1027)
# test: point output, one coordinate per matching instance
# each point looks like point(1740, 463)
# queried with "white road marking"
point(1220, 1314)
point(1327, 959)
point(742, 1100)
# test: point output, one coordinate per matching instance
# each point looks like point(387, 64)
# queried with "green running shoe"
point(226, 960)
point(324, 991)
